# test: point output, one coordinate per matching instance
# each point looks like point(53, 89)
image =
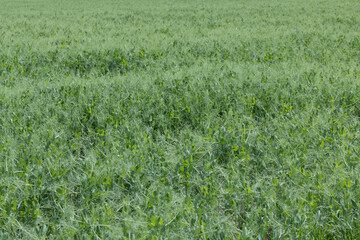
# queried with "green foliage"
point(179, 120)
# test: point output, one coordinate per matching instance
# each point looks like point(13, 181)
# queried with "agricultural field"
point(201, 119)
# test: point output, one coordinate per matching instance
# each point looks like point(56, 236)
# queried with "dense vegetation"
point(179, 119)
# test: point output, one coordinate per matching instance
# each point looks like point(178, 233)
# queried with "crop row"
point(62, 60)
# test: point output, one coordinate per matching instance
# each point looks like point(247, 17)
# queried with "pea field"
point(201, 119)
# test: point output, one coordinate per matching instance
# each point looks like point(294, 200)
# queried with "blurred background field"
point(179, 120)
